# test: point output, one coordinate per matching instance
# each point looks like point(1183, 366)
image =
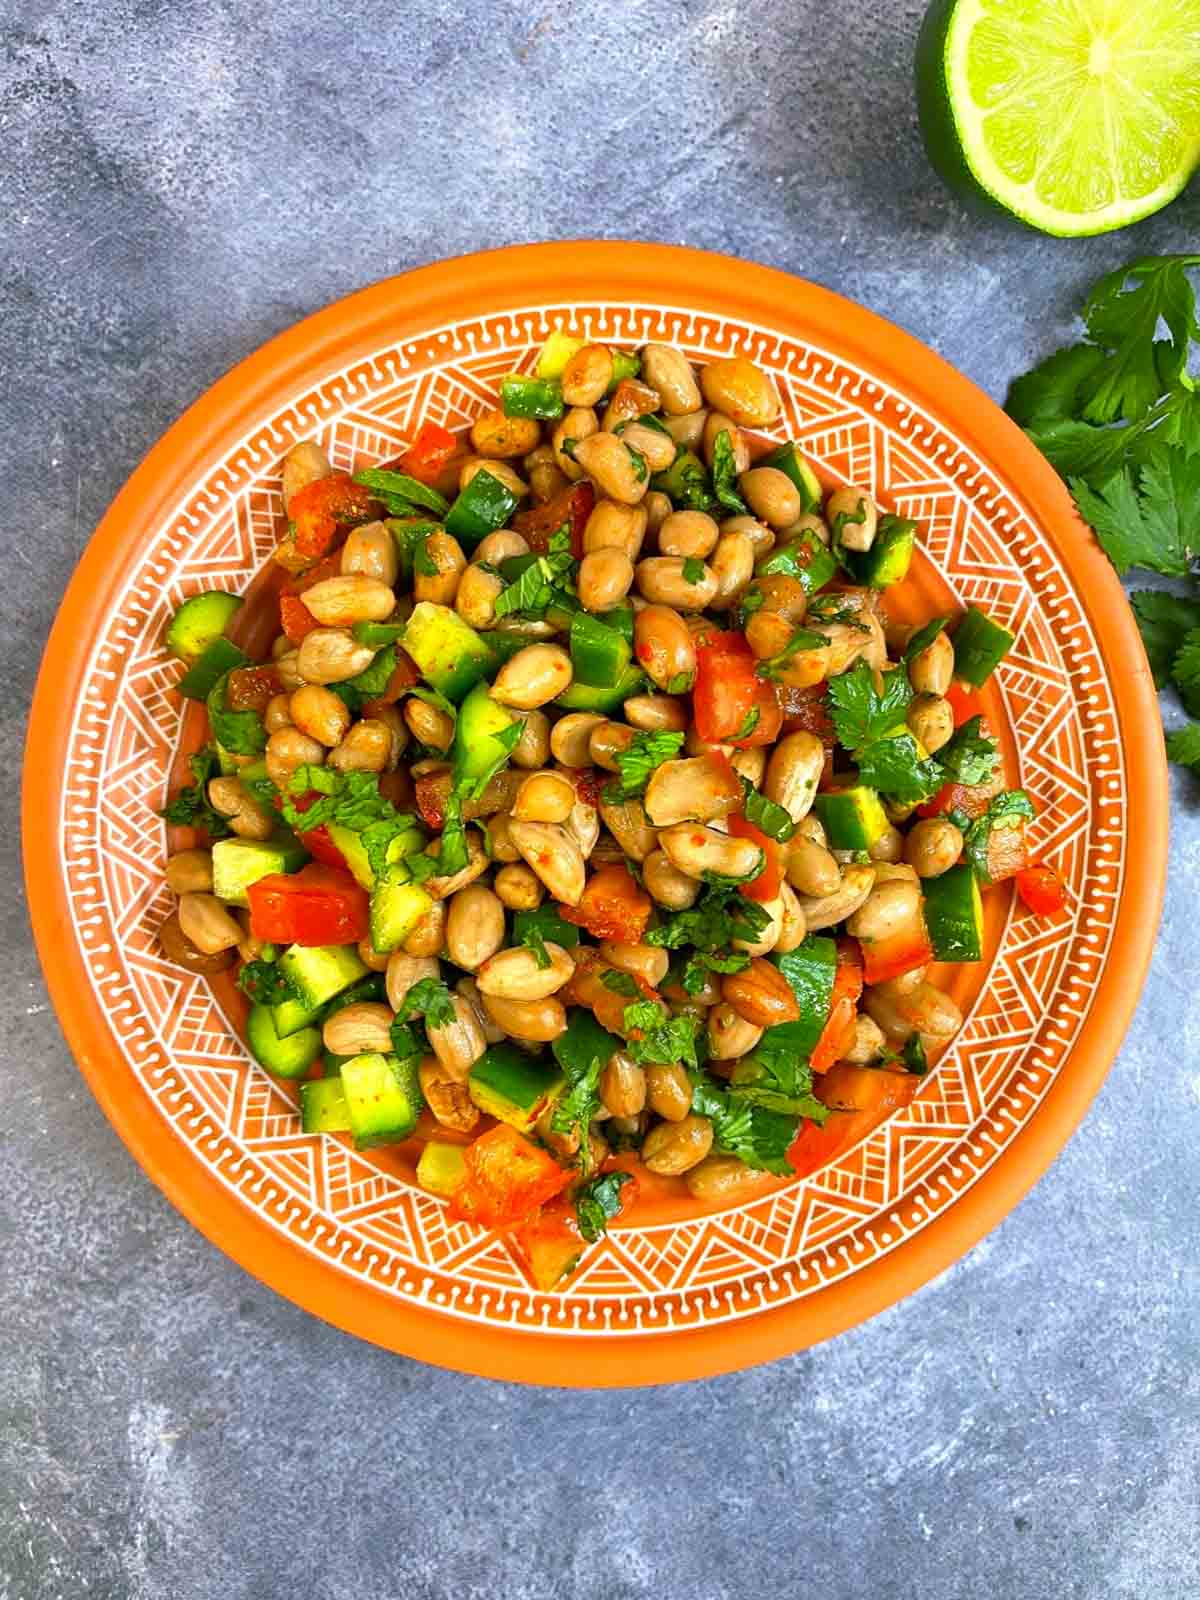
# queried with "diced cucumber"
point(805, 558)
point(286, 1058)
point(383, 1098)
point(323, 1107)
point(353, 852)
point(790, 459)
point(378, 635)
point(237, 863)
point(599, 653)
point(483, 506)
point(199, 622)
point(289, 1016)
point(397, 905)
point(854, 818)
point(480, 746)
point(503, 646)
point(980, 645)
point(442, 1168)
point(586, 697)
point(890, 556)
point(513, 1086)
point(954, 914)
point(318, 972)
point(220, 657)
point(538, 397)
point(450, 654)
point(556, 352)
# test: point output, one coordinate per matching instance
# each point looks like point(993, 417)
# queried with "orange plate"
point(679, 1293)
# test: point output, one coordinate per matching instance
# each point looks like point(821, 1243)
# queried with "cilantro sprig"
point(1119, 417)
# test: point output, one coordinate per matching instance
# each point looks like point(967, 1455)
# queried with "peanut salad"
point(591, 818)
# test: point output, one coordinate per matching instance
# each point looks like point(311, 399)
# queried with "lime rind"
point(1073, 116)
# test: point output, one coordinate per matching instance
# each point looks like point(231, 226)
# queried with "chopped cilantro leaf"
point(190, 808)
point(544, 922)
point(639, 463)
point(971, 756)
point(647, 752)
point(758, 1136)
point(423, 562)
point(924, 637)
point(860, 713)
point(766, 815)
point(431, 999)
point(265, 983)
point(719, 916)
point(894, 766)
point(681, 683)
point(693, 570)
point(1005, 811)
point(802, 639)
point(664, 1039)
point(724, 475)
point(597, 1203)
point(619, 982)
point(750, 722)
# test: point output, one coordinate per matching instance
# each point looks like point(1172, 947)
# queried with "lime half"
point(1076, 116)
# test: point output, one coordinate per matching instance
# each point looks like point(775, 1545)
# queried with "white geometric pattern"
point(361, 1212)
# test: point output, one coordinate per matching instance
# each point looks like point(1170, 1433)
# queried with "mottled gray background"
point(181, 179)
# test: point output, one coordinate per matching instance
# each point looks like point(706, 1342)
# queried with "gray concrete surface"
point(180, 180)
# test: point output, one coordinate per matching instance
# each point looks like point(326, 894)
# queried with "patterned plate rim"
point(407, 307)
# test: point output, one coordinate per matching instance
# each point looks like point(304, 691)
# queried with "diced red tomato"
point(726, 688)
point(317, 905)
point(322, 507)
point(860, 1098)
point(296, 620)
point(432, 449)
point(572, 506)
point(900, 952)
point(588, 988)
point(838, 1033)
point(321, 847)
point(817, 1143)
point(612, 907)
point(770, 719)
point(807, 711)
point(1042, 889)
point(508, 1178)
point(551, 1243)
point(877, 1090)
point(766, 885)
point(964, 702)
point(250, 688)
